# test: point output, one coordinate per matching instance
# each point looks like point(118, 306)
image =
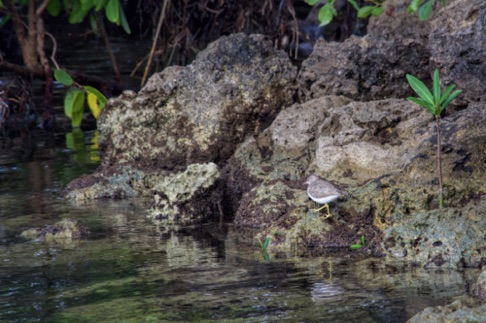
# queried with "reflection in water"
point(130, 270)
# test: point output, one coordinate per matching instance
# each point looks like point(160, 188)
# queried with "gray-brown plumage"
point(322, 192)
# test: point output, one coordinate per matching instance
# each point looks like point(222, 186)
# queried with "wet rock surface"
point(61, 232)
point(454, 312)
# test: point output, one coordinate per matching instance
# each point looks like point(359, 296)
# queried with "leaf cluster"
point(434, 102)
point(76, 97)
point(79, 9)
point(424, 8)
point(373, 8)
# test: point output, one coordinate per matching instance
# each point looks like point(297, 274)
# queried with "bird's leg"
point(328, 212)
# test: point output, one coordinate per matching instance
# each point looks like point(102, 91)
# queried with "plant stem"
point(439, 162)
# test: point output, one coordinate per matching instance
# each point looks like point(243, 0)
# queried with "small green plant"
point(374, 8)
point(424, 7)
point(359, 244)
point(434, 103)
point(264, 244)
point(77, 95)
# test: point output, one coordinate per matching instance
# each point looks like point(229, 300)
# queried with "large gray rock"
point(457, 47)
point(374, 67)
point(382, 153)
point(199, 113)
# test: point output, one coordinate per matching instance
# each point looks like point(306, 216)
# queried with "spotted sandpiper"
point(322, 192)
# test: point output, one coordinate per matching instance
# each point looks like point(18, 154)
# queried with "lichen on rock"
point(190, 196)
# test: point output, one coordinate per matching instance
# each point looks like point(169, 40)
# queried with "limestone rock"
point(479, 288)
point(199, 113)
point(456, 44)
point(382, 154)
point(440, 238)
point(374, 66)
point(187, 197)
point(454, 312)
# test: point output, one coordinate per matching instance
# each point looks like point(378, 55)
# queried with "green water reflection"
point(131, 270)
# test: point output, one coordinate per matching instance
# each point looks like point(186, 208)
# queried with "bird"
point(322, 192)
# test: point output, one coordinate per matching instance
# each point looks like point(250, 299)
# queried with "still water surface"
point(132, 270)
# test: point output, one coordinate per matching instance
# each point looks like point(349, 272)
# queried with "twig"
point(110, 51)
point(154, 44)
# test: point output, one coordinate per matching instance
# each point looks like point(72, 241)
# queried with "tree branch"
point(17, 22)
point(41, 8)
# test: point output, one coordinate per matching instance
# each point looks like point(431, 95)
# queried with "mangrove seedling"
point(358, 245)
point(434, 103)
point(264, 244)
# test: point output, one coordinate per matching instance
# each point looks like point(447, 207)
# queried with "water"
point(131, 270)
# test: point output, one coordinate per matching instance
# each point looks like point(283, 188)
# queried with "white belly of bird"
point(323, 200)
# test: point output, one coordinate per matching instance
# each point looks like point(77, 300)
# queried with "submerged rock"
point(62, 231)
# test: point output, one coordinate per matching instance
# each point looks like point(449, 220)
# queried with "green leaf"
point(101, 98)
point(414, 5)
point(265, 244)
point(354, 4)
point(449, 99)
point(419, 87)
point(426, 10)
point(87, 5)
point(356, 246)
point(113, 11)
point(74, 106)
point(377, 11)
point(362, 240)
point(436, 87)
point(326, 13)
point(99, 4)
point(365, 12)
point(124, 22)
point(54, 8)
point(424, 104)
point(63, 77)
point(446, 93)
point(312, 2)
point(78, 109)
point(77, 13)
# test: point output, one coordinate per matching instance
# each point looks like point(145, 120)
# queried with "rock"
point(479, 288)
point(64, 230)
point(454, 312)
point(199, 113)
point(187, 197)
point(374, 66)
point(116, 182)
point(456, 44)
point(382, 153)
point(440, 238)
